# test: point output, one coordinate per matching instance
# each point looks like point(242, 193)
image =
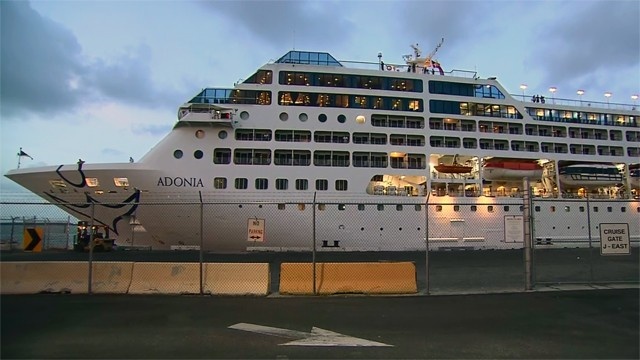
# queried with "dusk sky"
point(102, 80)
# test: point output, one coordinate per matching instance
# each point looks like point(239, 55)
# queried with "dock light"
point(634, 97)
point(523, 87)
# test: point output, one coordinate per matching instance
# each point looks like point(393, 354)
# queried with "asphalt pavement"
point(585, 324)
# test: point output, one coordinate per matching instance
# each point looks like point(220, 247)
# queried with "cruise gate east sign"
point(614, 239)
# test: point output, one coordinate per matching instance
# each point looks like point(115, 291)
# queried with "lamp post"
point(634, 97)
point(580, 93)
point(523, 87)
point(553, 90)
point(607, 95)
point(380, 61)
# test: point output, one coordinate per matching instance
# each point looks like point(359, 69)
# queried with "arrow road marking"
point(317, 336)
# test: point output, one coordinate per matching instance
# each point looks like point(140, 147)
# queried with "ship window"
point(303, 117)
point(341, 207)
point(282, 184)
point(341, 185)
point(121, 182)
point(581, 208)
point(321, 207)
point(537, 208)
point(200, 134)
point(380, 207)
point(456, 208)
point(57, 183)
point(506, 208)
point(92, 182)
point(490, 208)
point(595, 209)
point(567, 208)
point(438, 208)
point(220, 183)
point(322, 184)
point(322, 117)
point(222, 156)
point(609, 209)
point(222, 134)
point(281, 206)
point(552, 208)
point(241, 183)
point(418, 207)
point(474, 208)
point(284, 116)
point(399, 207)
point(623, 209)
point(262, 183)
point(342, 119)
point(301, 207)
point(198, 154)
point(361, 207)
point(177, 154)
point(302, 184)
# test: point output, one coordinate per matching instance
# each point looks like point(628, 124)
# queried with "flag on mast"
point(22, 153)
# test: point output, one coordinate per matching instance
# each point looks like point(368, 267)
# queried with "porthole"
point(198, 154)
point(342, 119)
point(284, 116)
point(322, 117)
point(222, 134)
point(303, 117)
point(244, 115)
point(360, 119)
point(178, 154)
point(200, 134)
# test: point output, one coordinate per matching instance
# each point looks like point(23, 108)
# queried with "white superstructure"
point(371, 136)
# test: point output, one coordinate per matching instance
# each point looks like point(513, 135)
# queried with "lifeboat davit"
point(512, 169)
point(634, 176)
point(590, 175)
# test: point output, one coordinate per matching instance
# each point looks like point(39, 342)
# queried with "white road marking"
point(317, 336)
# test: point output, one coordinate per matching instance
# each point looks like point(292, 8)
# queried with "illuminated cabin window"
point(438, 208)
point(57, 183)
point(99, 192)
point(301, 207)
point(92, 182)
point(120, 182)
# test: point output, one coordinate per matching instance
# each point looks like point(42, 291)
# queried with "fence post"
point(590, 244)
point(313, 246)
point(426, 243)
point(201, 242)
point(91, 239)
point(526, 210)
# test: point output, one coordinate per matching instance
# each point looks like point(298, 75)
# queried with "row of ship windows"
point(387, 83)
point(342, 137)
point(398, 160)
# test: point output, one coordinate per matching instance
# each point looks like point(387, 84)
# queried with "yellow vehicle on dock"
point(101, 240)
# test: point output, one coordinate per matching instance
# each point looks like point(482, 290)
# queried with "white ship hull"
point(369, 166)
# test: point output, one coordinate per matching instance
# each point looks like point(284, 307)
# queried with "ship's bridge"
point(308, 58)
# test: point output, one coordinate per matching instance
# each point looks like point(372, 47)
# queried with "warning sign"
point(32, 240)
point(614, 239)
point(513, 228)
point(255, 230)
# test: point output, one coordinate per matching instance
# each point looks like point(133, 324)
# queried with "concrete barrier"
point(33, 277)
point(165, 278)
point(237, 278)
point(349, 278)
point(111, 277)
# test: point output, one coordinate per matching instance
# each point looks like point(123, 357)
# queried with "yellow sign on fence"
point(33, 239)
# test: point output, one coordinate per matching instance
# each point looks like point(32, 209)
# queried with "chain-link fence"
point(320, 246)
point(570, 248)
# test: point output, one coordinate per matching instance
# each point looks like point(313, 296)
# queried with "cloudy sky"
point(102, 80)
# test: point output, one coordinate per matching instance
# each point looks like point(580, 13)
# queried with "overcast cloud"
point(45, 72)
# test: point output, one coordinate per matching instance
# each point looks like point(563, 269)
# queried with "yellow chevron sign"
point(32, 240)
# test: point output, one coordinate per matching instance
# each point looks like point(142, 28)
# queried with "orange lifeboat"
point(453, 169)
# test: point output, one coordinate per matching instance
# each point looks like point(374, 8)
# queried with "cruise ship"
point(365, 147)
